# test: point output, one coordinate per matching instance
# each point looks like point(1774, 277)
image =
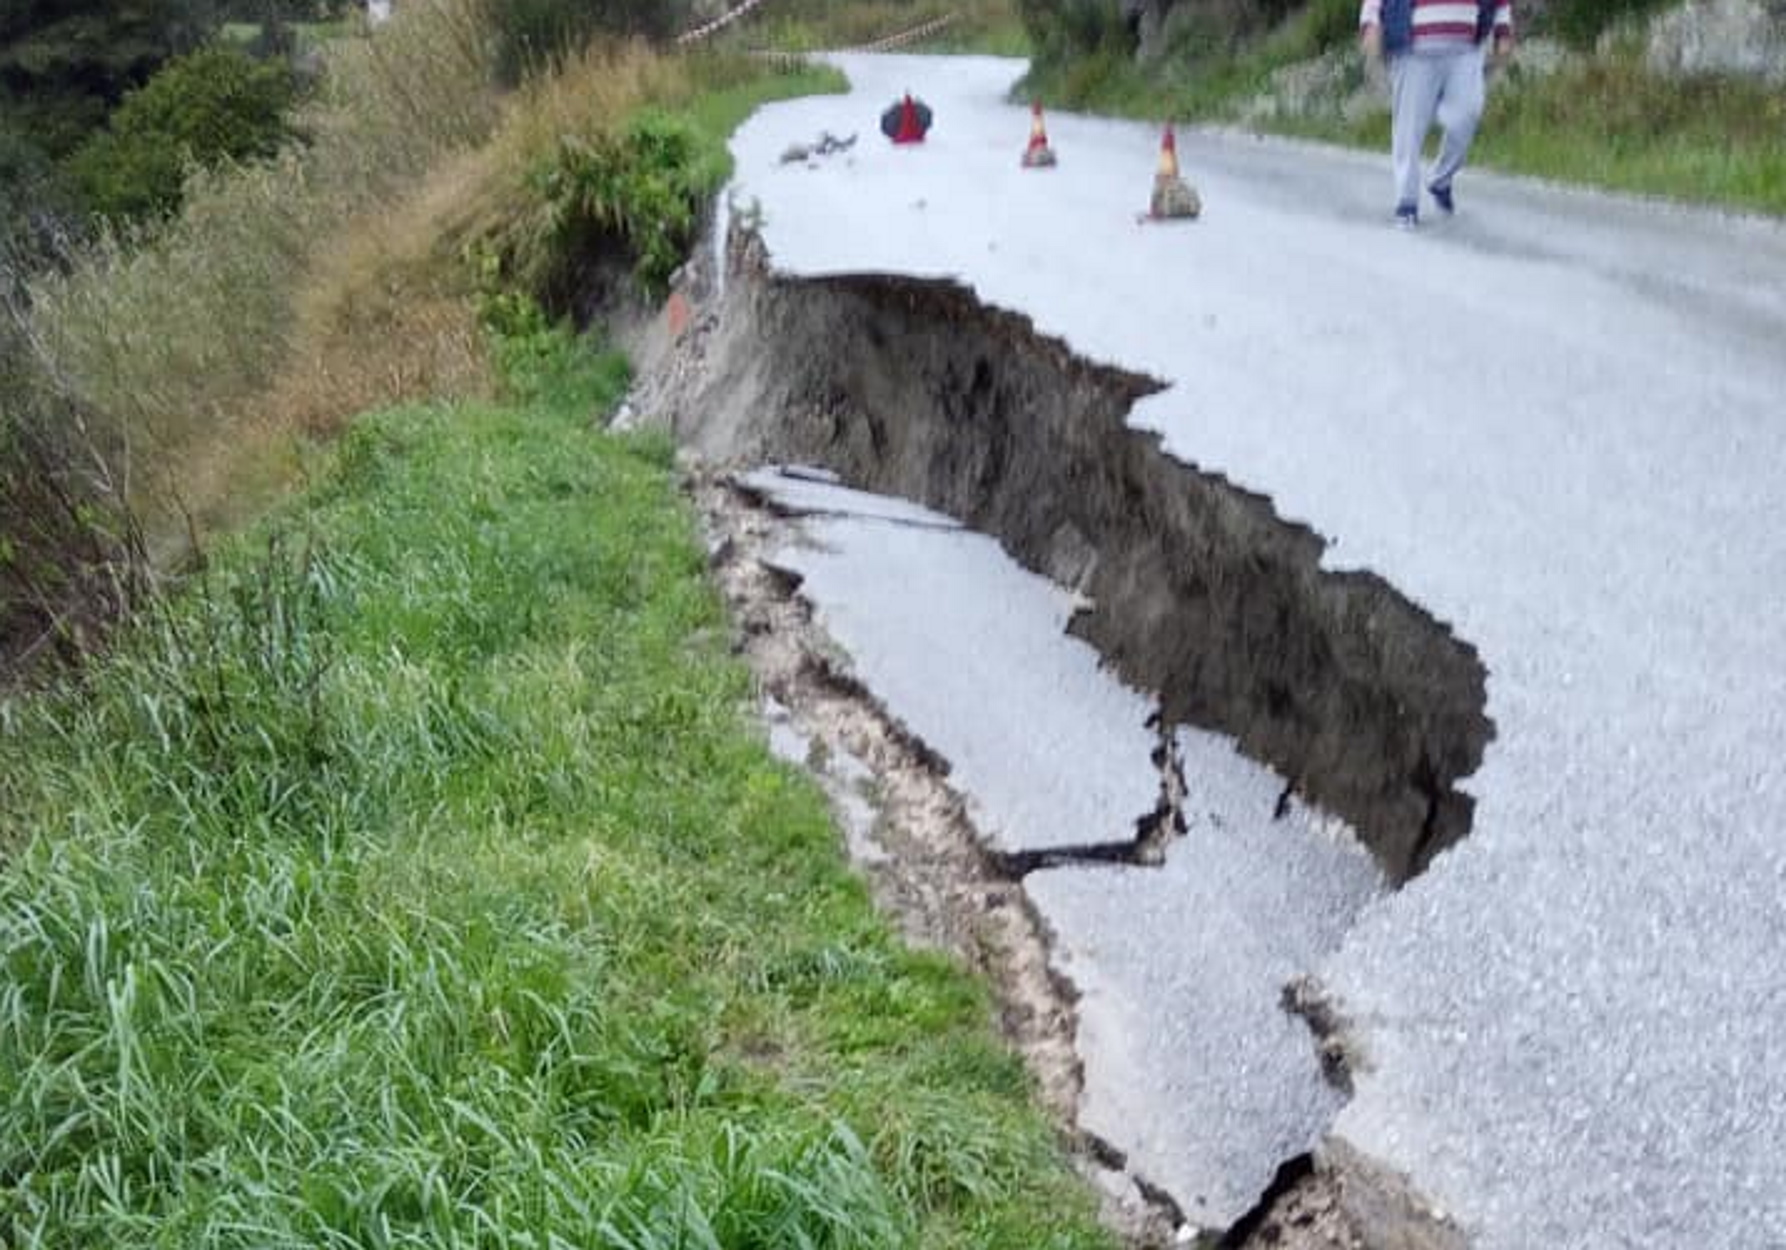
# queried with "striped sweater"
point(1437, 23)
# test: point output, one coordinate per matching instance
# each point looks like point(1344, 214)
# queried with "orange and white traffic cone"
point(1038, 155)
point(1168, 154)
point(1172, 196)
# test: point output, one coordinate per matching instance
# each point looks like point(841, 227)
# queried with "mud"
point(1194, 587)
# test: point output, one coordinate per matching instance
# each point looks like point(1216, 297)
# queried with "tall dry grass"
point(290, 295)
point(286, 295)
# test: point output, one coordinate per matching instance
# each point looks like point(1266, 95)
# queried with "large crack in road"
point(1193, 587)
point(1189, 588)
point(1054, 931)
point(1563, 1026)
point(909, 830)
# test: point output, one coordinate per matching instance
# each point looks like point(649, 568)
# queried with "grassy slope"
point(418, 880)
point(1614, 125)
point(1610, 123)
point(1605, 122)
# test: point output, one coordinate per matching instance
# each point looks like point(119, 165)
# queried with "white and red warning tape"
point(698, 33)
point(922, 31)
point(904, 37)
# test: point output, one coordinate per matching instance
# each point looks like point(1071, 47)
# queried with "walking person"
point(1435, 51)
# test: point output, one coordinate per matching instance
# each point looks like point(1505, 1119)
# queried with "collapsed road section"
point(1183, 885)
point(1189, 585)
point(1162, 879)
point(1552, 423)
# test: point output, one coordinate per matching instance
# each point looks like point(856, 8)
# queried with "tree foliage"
point(533, 33)
point(1580, 23)
point(212, 105)
point(64, 63)
point(1065, 30)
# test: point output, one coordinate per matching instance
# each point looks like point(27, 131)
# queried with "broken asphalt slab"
point(971, 654)
point(1554, 423)
point(1193, 1068)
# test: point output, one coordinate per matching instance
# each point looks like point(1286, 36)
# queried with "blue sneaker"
point(1442, 197)
point(1407, 216)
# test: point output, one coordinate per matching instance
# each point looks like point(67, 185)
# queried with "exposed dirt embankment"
point(1196, 588)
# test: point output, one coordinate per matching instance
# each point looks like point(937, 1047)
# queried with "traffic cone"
point(1172, 196)
point(1038, 155)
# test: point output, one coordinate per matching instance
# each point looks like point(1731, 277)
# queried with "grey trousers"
point(1427, 86)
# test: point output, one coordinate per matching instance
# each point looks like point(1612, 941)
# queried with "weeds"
point(416, 881)
point(291, 294)
point(601, 171)
point(1612, 122)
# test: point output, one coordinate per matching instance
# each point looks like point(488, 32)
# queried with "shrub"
point(533, 34)
point(605, 166)
point(1330, 24)
point(33, 199)
point(215, 105)
point(644, 186)
point(1064, 30)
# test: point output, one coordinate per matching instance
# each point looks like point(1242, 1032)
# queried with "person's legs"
point(1414, 83)
point(1459, 111)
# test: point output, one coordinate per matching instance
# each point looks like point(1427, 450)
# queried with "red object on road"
point(906, 121)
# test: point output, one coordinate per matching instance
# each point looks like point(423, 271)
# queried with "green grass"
point(416, 878)
point(1203, 70)
point(1612, 123)
point(723, 105)
point(1606, 121)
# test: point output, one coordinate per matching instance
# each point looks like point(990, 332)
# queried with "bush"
point(1332, 23)
point(605, 169)
point(1065, 30)
point(645, 186)
point(215, 105)
point(33, 199)
point(533, 34)
point(1580, 23)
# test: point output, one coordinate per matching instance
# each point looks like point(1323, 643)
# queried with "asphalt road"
point(1191, 1068)
point(1558, 422)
